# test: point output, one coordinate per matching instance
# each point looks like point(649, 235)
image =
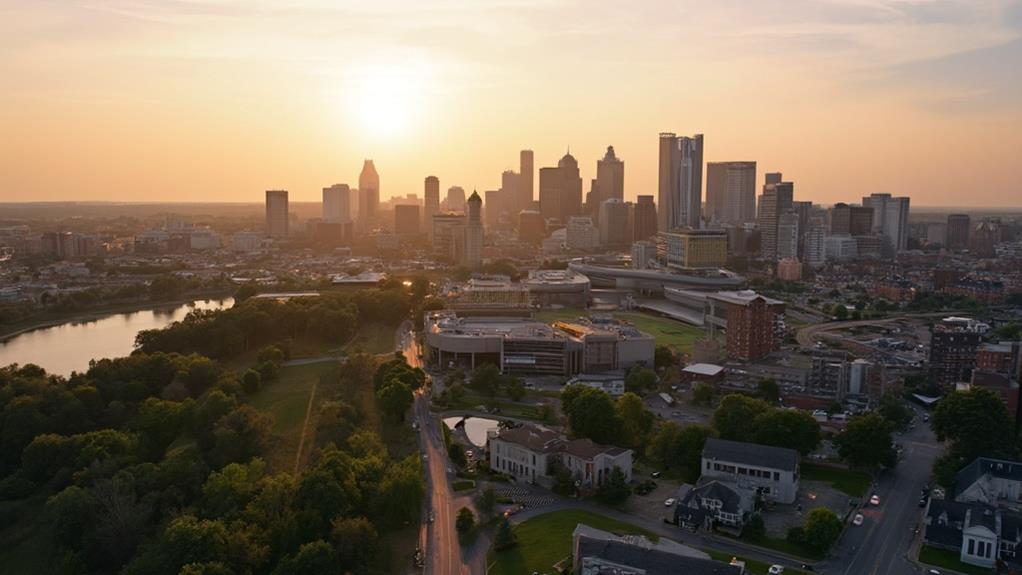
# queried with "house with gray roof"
point(772, 472)
point(713, 503)
point(981, 534)
point(991, 481)
point(598, 552)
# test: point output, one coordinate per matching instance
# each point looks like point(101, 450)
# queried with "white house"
point(773, 472)
point(990, 481)
point(527, 451)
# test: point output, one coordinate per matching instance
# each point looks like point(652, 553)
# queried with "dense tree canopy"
point(976, 422)
point(866, 442)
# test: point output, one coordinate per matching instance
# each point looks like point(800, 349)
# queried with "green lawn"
point(751, 566)
point(948, 560)
point(546, 539)
point(287, 398)
point(854, 483)
point(667, 331)
point(375, 338)
point(786, 547)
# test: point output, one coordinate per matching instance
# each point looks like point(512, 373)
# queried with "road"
point(885, 543)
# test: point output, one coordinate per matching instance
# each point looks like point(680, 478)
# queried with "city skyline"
point(136, 97)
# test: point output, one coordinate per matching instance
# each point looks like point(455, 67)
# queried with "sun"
point(386, 98)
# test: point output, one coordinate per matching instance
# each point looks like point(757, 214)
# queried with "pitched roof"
point(588, 449)
point(532, 437)
point(652, 561)
point(731, 502)
point(1000, 468)
point(751, 454)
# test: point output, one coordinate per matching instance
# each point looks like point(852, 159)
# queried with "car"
point(469, 454)
point(875, 500)
point(670, 502)
point(775, 569)
point(857, 520)
point(926, 418)
point(922, 502)
point(656, 474)
point(807, 567)
point(933, 572)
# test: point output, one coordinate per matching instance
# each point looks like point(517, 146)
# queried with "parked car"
point(656, 474)
point(670, 502)
point(875, 500)
point(775, 569)
point(857, 520)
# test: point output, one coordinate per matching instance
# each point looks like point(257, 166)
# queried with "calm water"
point(68, 347)
point(475, 428)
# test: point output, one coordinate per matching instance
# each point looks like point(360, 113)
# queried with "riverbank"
point(53, 319)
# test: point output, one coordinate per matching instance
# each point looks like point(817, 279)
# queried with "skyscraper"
point(337, 204)
point(474, 232)
point(731, 192)
point(456, 199)
point(276, 214)
point(615, 229)
point(431, 203)
point(406, 219)
point(775, 201)
point(560, 190)
point(681, 181)
point(368, 196)
point(852, 220)
point(958, 226)
point(890, 219)
point(526, 178)
point(644, 219)
point(610, 178)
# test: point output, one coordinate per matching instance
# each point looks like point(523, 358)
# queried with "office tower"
point(954, 342)
point(497, 208)
point(687, 248)
point(456, 199)
point(643, 253)
point(789, 269)
point(368, 196)
point(406, 219)
point(814, 239)
point(776, 200)
point(750, 328)
point(610, 178)
point(841, 247)
point(526, 178)
point(615, 229)
point(852, 220)
point(560, 190)
point(531, 226)
point(984, 238)
point(509, 181)
point(890, 220)
point(788, 233)
point(644, 219)
point(772, 178)
point(449, 237)
point(431, 201)
point(731, 192)
point(582, 233)
point(681, 181)
point(337, 204)
point(958, 226)
point(276, 214)
point(474, 232)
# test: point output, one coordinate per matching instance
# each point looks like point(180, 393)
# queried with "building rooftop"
point(751, 454)
point(703, 369)
point(999, 468)
point(532, 437)
point(742, 297)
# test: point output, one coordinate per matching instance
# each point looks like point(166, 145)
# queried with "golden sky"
point(203, 100)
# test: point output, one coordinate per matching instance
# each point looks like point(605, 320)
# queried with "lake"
point(68, 347)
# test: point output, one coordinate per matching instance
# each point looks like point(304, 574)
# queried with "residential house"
point(597, 552)
point(990, 481)
point(772, 472)
point(980, 533)
point(713, 503)
point(527, 452)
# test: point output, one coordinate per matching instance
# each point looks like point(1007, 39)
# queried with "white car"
point(875, 500)
point(669, 502)
point(857, 520)
point(775, 570)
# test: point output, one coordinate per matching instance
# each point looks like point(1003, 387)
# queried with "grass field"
point(546, 539)
point(948, 560)
point(374, 338)
point(666, 331)
point(854, 483)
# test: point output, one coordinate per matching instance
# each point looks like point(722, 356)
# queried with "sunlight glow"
point(386, 99)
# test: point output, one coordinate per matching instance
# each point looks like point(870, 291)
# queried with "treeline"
point(332, 318)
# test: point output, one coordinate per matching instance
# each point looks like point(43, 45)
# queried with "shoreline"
point(102, 312)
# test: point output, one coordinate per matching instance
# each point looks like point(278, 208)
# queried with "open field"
point(667, 331)
point(854, 483)
point(546, 539)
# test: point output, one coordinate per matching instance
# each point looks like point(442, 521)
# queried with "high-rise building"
point(368, 196)
point(750, 329)
point(681, 181)
point(449, 236)
point(852, 220)
point(431, 201)
point(954, 342)
point(497, 209)
point(644, 218)
point(788, 234)
point(776, 200)
point(456, 199)
point(614, 224)
point(512, 201)
point(958, 226)
point(610, 178)
point(474, 232)
point(687, 248)
point(276, 214)
point(582, 233)
point(815, 241)
point(560, 190)
point(531, 226)
point(890, 219)
point(526, 178)
point(406, 219)
point(731, 192)
point(337, 204)
point(984, 238)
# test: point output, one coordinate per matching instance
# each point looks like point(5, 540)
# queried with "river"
point(68, 347)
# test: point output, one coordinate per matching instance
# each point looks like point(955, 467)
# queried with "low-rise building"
point(713, 503)
point(772, 472)
point(597, 552)
point(528, 452)
point(703, 373)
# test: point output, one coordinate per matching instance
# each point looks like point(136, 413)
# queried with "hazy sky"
point(192, 100)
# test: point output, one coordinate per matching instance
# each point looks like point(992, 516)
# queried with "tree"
point(356, 542)
point(636, 420)
point(866, 442)
point(400, 492)
point(505, 538)
point(794, 429)
point(822, 528)
point(456, 452)
point(640, 379)
point(768, 391)
point(976, 422)
point(662, 446)
point(681, 446)
point(754, 528)
point(702, 394)
point(395, 398)
point(663, 357)
point(486, 501)
point(158, 424)
point(315, 558)
point(614, 489)
point(487, 379)
point(251, 381)
point(893, 409)
point(840, 312)
point(515, 389)
point(594, 416)
point(465, 521)
point(735, 417)
point(240, 435)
